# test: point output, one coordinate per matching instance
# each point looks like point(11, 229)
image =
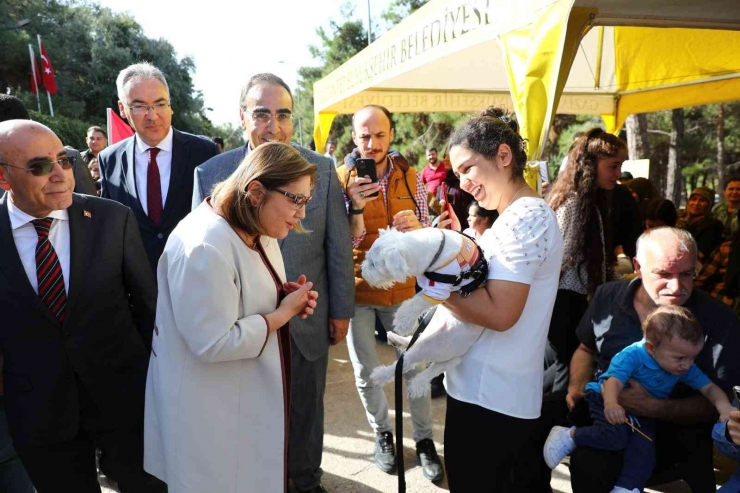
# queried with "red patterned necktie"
point(153, 187)
point(49, 271)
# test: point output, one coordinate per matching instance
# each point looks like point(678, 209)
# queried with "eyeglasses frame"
point(71, 159)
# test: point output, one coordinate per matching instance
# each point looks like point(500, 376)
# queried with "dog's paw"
point(383, 375)
point(419, 386)
point(397, 341)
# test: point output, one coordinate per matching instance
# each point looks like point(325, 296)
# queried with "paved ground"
point(348, 444)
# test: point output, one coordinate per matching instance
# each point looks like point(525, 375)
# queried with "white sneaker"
point(559, 443)
point(619, 489)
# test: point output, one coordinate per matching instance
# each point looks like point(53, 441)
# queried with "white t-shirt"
point(503, 371)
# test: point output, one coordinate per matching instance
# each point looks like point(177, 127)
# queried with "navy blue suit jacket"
point(118, 183)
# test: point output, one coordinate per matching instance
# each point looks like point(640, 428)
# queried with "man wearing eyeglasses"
point(152, 171)
point(324, 256)
point(78, 301)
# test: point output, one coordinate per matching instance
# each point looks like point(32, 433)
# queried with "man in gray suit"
point(324, 256)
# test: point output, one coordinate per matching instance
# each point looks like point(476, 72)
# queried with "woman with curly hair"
point(585, 213)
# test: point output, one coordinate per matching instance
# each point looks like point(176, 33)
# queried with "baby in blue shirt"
point(673, 338)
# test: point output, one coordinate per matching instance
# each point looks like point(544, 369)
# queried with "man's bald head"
point(666, 263)
point(26, 146)
point(15, 133)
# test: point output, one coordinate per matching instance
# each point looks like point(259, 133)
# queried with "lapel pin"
point(87, 214)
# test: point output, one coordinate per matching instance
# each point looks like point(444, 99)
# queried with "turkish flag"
point(117, 128)
point(35, 84)
point(47, 72)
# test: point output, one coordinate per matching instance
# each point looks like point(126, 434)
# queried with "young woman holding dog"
point(495, 394)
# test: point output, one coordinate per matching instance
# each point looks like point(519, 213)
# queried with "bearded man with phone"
point(381, 190)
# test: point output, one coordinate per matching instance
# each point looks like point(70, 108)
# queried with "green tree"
point(88, 46)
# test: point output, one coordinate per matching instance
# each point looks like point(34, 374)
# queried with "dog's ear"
point(384, 231)
point(385, 263)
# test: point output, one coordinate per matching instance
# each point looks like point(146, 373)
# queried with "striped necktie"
point(49, 271)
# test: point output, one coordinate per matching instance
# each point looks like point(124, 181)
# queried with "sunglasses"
point(298, 200)
point(43, 168)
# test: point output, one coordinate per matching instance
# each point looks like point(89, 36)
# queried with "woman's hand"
point(292, 287)
point(448, 218)
point(300, 301)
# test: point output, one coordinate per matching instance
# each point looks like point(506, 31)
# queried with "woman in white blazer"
point(217, 396)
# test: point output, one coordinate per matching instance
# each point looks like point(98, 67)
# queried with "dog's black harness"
point(478, 271)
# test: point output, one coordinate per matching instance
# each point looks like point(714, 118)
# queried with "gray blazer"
point(324, 255)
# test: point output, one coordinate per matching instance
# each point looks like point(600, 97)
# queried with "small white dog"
point(443, 261)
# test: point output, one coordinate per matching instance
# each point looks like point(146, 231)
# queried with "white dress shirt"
point(26, 238)
point(164, 162)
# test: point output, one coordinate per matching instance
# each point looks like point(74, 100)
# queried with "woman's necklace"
point(518, 192)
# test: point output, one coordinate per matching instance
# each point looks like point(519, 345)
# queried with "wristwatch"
point(356, 211)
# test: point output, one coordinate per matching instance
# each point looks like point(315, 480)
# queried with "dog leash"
point(422, 325)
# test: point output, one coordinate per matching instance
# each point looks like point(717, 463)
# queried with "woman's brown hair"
point(274, 165)
point(578, 180)
point(486, 132)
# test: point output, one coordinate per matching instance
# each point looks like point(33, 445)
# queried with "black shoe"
point(385, 454)
point(319, 489)
point(431, 466)
point(438, 388)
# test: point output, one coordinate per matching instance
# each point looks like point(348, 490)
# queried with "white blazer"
point(216, 392)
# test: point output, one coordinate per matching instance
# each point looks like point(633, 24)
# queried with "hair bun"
point(500, 114)
point(493, 112)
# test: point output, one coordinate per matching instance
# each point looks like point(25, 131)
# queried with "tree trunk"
point(721, 169)
point(637, 137)
point(673, 173)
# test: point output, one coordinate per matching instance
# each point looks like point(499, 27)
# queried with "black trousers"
point(481, 447)
point(566, 315)
point(70, 466)
point(530, 473)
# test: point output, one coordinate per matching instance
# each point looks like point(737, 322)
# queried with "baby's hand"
point(614, 414)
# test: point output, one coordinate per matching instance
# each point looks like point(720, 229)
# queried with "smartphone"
point(366, 168)
point(446, 198)
point(736, 392)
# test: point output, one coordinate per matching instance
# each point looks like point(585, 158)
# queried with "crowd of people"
point(175, 330)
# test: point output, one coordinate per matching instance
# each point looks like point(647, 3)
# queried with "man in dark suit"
point(152, 171)
point(13, 476)
point(324, 256)
point(78, 302)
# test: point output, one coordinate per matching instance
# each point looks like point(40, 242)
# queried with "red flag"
point(35, 84)
point(117, 128)
point(47, 71)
